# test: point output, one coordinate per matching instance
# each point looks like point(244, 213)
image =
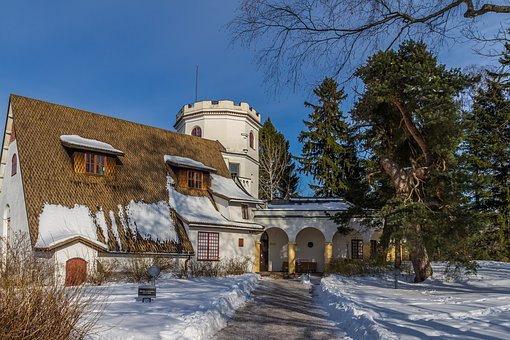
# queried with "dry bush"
point(135, 268)
point(228, 266)
point(350, 267)
point(105, 271)
point(34, 304)
point(236, 265)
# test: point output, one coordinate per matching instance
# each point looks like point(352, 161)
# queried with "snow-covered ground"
point(183, 309)
point(475, 307)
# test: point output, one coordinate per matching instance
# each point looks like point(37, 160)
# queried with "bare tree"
point(334, 35)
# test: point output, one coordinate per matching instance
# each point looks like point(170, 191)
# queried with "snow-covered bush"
point(34, 304)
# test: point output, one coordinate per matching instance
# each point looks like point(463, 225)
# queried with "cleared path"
point(281, 309)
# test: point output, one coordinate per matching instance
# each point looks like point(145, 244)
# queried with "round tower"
point(236, 126)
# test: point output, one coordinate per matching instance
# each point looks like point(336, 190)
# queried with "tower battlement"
point(217, 106)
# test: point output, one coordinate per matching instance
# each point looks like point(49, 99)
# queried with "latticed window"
point(195, 180)
point(197, 131)
point(244, 208)
point(208, 247)
point(356, 249)
point(234, 169)
point(14, 165)
point(95, 163)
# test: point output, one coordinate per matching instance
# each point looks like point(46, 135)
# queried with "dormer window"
point(252, 140)
point(197, 131)
point(14, 165)
point(195, 179)
point(95, 163)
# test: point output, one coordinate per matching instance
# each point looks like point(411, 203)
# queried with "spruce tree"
point(328, 154)
point(487, 155)
point(277, 175)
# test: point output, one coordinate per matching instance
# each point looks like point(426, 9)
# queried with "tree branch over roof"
point(341, 33)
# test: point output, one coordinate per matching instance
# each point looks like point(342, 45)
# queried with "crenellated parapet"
point(219, 107)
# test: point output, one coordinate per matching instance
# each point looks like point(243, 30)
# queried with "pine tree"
point(277, 176)
point(487, 155)
point(328, 154)
point(411, 124)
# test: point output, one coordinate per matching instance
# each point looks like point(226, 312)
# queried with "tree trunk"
point(398, 255)
point(419, 257)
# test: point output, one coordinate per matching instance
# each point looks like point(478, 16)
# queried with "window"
point(356, 249)
point(95, 163)
point(241, 242)
point(208, 248)
point(244, 208)
point(194, 180)
point(197, 131)
point(252, 140)
point(234, 169)
point(14, 165)
point(373, 248)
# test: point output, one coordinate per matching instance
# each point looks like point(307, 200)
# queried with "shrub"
point(226, 266)
point(236, 265)
point(135, 268)
point(350, 267)
point(34, 304)
point(105, 271)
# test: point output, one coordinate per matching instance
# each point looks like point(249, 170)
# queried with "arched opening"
point(252, 140)
point(197, 131)
point(76, 271)
point(310, 251)
point(277, 249)
point(264, 252)
point(14, 165)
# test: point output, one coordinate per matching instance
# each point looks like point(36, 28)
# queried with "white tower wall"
point(230, 124)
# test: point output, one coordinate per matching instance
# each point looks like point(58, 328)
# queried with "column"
point(256, 264)
point(328, 255)
point(291, 251)
point(366, 250)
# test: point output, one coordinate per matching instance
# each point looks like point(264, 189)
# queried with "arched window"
point(14, 165)
point(252, 140)
point(197, 131)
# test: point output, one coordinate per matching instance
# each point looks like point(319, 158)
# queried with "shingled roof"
point(49, 178)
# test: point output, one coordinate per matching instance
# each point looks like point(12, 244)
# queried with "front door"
point(264, 252)
point(76, 271)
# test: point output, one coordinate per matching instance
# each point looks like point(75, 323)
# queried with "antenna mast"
point(196, 85)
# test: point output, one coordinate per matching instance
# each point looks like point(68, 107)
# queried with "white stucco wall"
point(12, 196)
point(73, 250)
point(229, 243)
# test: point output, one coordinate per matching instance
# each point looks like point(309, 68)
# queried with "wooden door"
point(76, 271)
point(264, 252)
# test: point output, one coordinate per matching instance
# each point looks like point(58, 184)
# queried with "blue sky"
point(136, 60)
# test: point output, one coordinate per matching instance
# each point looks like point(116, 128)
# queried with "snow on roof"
point(58, 224)
point(200, 210)
point(228, 188)
point(152, 221)
point(89, 144)
point(187, 163)
point(311, 206)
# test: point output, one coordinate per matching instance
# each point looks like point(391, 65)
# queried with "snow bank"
point(187, 163)
point(58, 223)
point(471, 308)
point(183, 309)
point(228, 188)
point(75, 140)
point(151, 221)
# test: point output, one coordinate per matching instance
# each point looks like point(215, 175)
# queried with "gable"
point(140, 174)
